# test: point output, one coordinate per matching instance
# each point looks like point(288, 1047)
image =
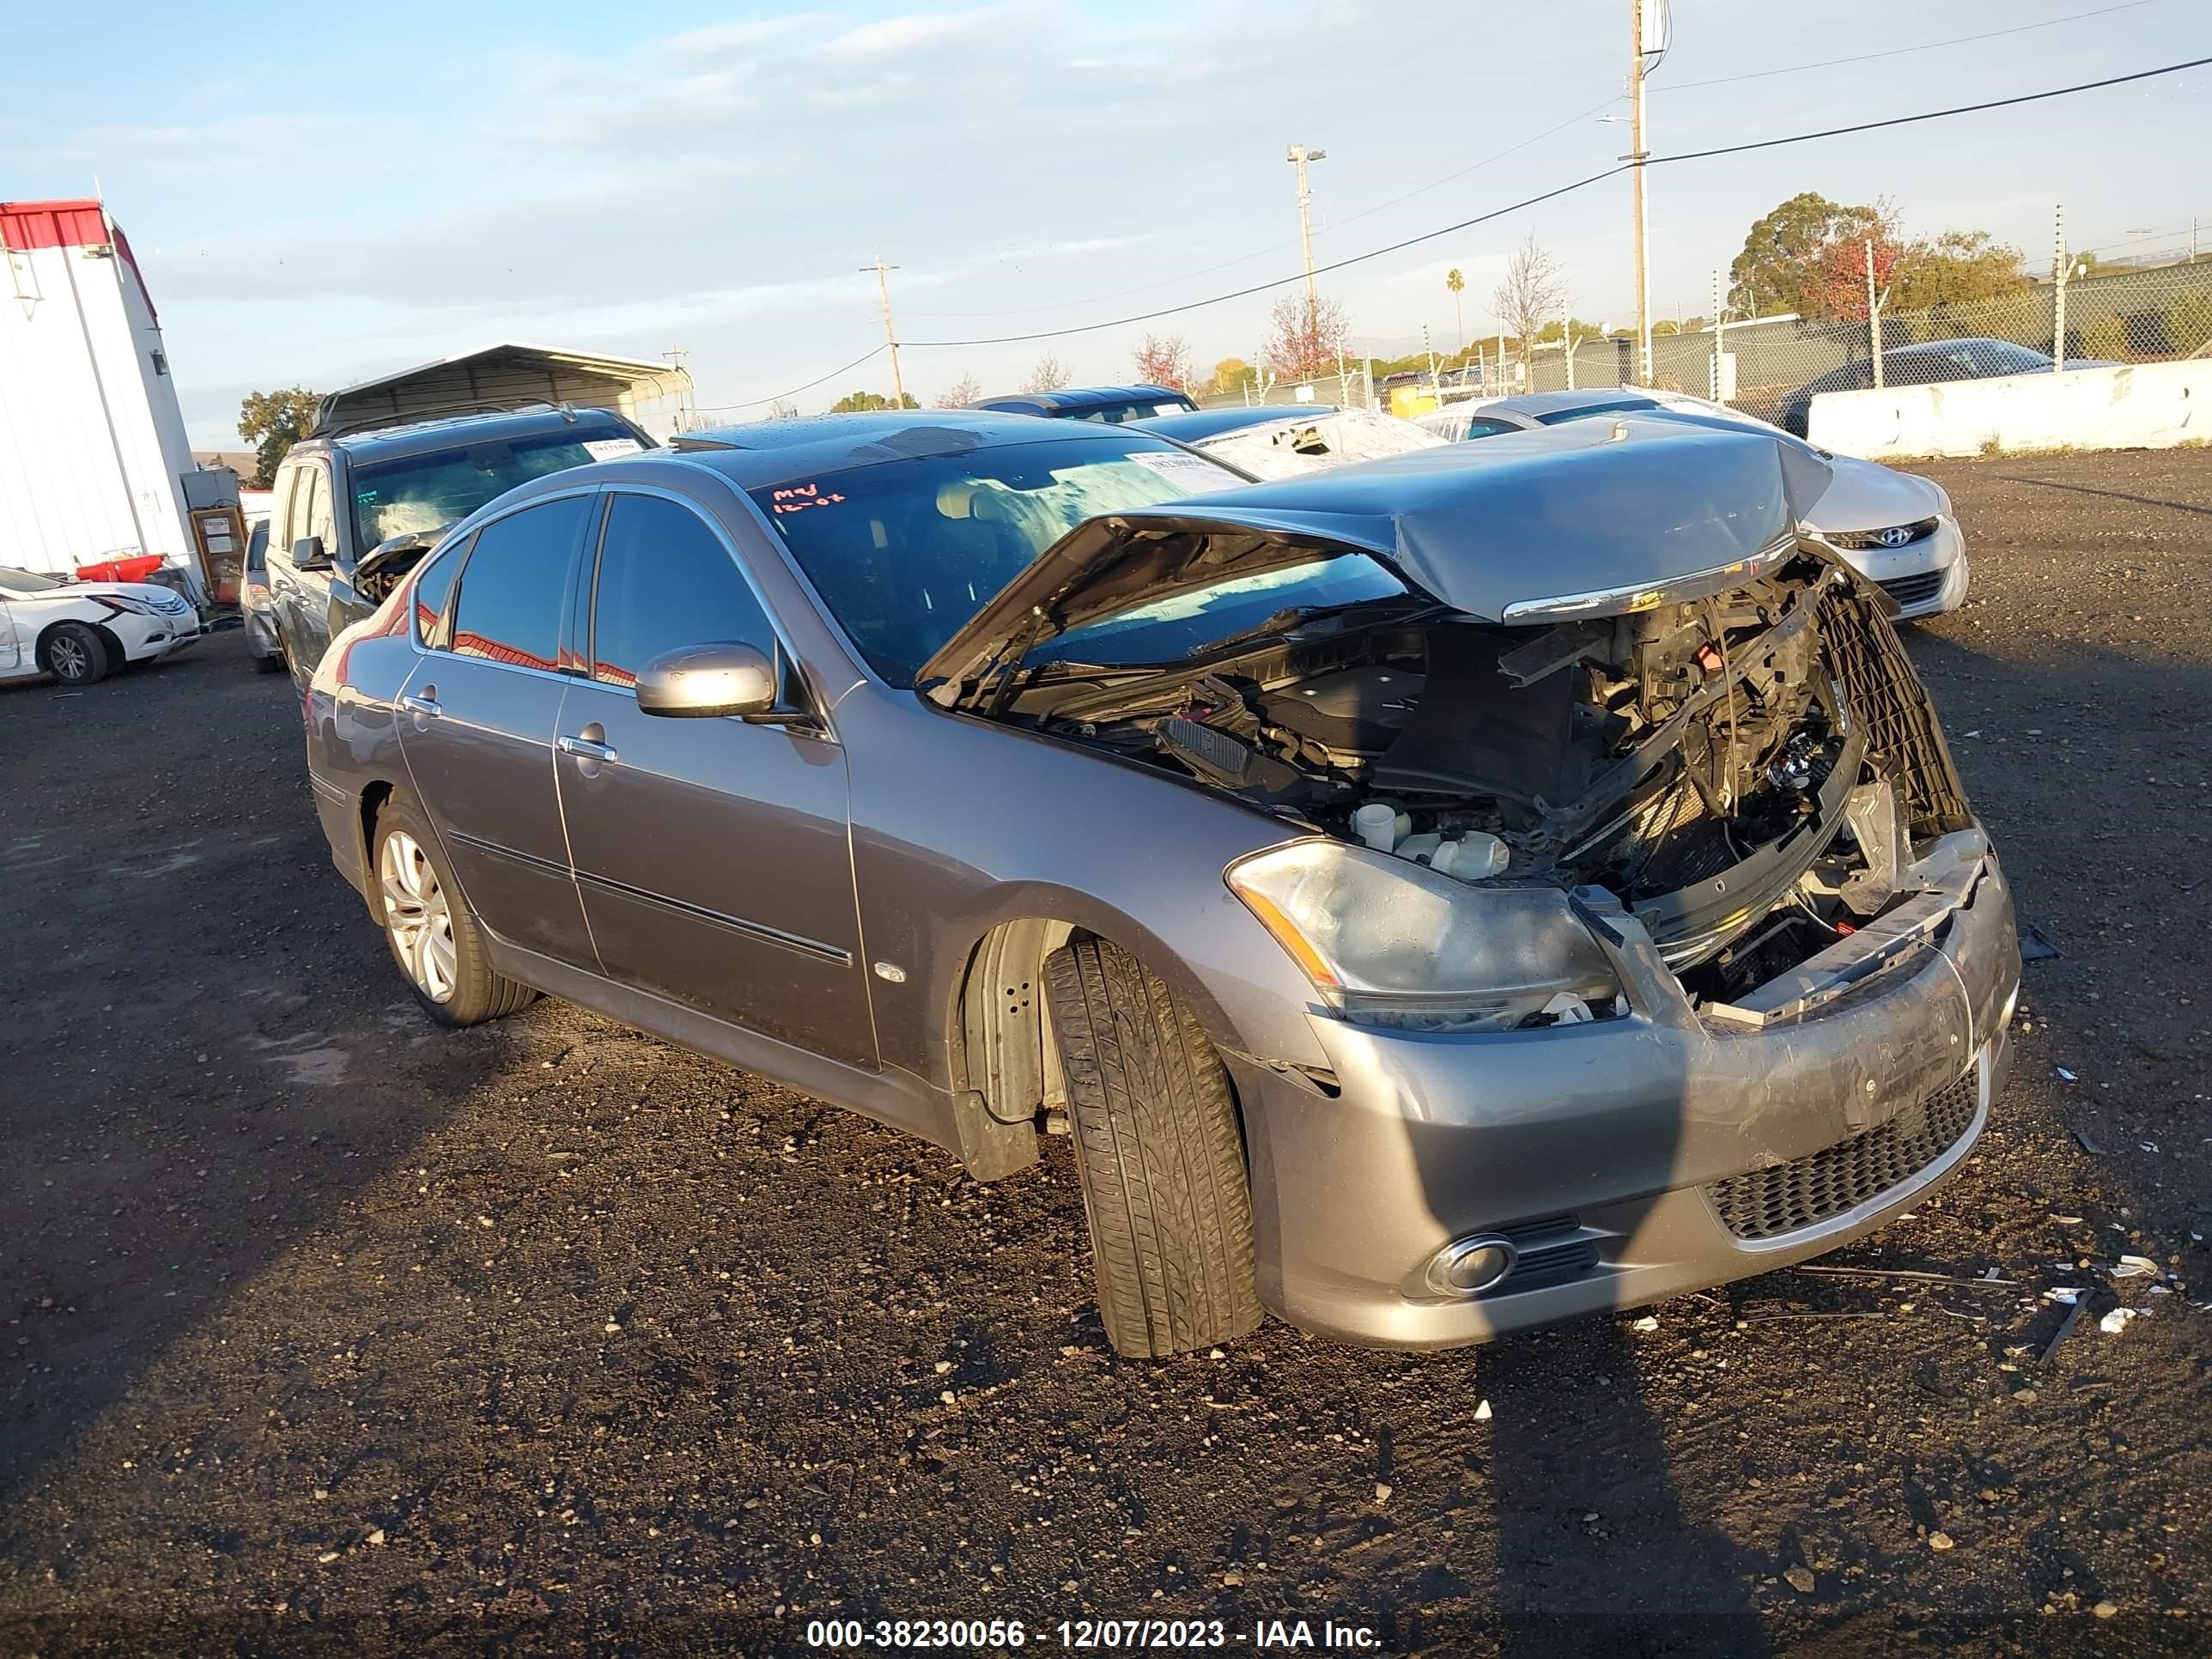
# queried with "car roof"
point(447, 431)
point(1195, 423)
point(1076, 397)
point(761, 452)
point(1537, 404)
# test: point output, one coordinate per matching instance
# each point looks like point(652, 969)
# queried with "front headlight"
point(1387, 942)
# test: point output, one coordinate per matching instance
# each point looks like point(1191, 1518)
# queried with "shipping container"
point(91, 442)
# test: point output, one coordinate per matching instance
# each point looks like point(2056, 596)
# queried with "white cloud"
point(906, 33)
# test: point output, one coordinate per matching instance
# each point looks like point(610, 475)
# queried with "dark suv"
point(356, 511)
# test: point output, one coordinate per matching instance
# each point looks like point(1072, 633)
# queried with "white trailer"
point(91, 443)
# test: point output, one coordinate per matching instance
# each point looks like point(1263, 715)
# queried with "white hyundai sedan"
point(82, 632)
point(1896, 527)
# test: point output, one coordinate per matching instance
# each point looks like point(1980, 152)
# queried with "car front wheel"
point(74, 654)
point(1157, 1148)
point(434, 936)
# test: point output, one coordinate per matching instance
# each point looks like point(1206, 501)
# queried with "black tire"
point(75, 654)
point(478, 994)
point(1157, 1147)
point(271, 663)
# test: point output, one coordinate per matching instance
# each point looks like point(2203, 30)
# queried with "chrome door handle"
point(586, 749)
point(426, 707)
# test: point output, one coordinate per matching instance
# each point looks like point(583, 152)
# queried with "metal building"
point(91, 443)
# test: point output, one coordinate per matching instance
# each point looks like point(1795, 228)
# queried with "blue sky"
point(319, 193)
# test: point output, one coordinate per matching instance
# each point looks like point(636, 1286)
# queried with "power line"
point(755, 403)
point(1328, 223)
point(1551, 195)
point(1901, 52)
point(1933, 114)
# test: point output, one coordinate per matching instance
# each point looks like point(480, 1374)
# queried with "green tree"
point(1783, 251)
point(1958, 266)
point(853, 403)
point(1808, 256)
point(1457, 284)
point(1233, 374)
point(273, 422)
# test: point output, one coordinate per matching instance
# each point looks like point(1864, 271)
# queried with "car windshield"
point(411, 493)
point(28, 581)
point(1115, 414)
point(905, 552)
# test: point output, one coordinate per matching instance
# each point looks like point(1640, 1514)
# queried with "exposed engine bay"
point(1746, 772)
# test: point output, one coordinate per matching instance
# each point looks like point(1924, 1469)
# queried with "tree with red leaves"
point(1164, 360)
point(1305, 338)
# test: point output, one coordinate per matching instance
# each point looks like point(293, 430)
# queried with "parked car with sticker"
point(1444, 894)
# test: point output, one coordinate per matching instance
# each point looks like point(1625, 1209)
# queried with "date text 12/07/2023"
point(1167, 1635)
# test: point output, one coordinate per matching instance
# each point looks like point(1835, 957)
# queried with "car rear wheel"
point(1157, 1148)
point(74, 653)
point(434, 937)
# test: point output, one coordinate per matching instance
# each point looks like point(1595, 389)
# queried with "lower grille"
point(1915, 590)
point(1553, 1252)
point(1806, 1191)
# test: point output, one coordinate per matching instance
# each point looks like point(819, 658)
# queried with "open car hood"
point(1589, 517)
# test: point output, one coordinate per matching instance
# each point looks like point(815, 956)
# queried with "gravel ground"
point(327, 1332)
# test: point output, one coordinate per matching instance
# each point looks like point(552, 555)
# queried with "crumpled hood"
point(1592, 507)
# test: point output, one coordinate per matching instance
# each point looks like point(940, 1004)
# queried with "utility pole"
point(890, 335)
point(1298, 155)
point(1638, 155)
point(685, 414)
point(1873, 317)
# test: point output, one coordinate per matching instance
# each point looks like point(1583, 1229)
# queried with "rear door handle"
point(587, 748)
point(426, 707)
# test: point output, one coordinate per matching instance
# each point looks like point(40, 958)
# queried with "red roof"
point(27, 225)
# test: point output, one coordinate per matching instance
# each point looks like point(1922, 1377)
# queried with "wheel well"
point(372, 803)
point(1001, 1037)
point(108, 642)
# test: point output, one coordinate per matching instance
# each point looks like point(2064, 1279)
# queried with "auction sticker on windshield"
point(1194, 472)
point(605, 449)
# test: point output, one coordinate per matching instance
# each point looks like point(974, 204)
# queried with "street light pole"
point(890, 336)
point(1638, 154)
point(1298, 155)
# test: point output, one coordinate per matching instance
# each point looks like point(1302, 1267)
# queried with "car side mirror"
point(307, 554)
point(702, 682)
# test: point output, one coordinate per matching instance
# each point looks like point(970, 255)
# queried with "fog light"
point(1469, 1265)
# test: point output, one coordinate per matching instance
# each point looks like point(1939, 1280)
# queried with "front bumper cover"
point(1600, 1139)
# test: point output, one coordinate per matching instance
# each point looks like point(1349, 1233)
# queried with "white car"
point(1896, 527)
point(82, 632)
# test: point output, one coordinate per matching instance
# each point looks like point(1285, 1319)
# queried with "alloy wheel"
point(70, 659)
point(418, 915)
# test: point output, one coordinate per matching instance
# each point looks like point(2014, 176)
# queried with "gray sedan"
point(1897, 528)
point(1441, 895)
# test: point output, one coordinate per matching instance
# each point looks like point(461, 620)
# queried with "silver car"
point(1895, 528)
point(1443, 895)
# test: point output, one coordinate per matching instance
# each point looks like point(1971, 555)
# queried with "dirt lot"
point(329, 1332)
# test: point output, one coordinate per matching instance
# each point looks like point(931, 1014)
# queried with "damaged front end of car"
point(1613, 679)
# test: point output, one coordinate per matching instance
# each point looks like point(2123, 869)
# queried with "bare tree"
point(961, 393)
point(1528, 297)
point(1049, 375)
point(782, 410)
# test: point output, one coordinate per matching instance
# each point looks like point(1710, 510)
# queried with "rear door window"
point(515, 585)
point(666, 581)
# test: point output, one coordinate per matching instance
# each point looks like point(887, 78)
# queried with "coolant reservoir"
point(1378, 825)
point(1475, 856)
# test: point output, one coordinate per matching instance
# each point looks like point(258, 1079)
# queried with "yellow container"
point(1407, 401)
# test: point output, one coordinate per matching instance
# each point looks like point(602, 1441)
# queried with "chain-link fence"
point(1771, 365)
point(1344, 388)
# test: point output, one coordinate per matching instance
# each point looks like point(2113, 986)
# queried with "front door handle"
point(426, 706)
point(587, 748)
